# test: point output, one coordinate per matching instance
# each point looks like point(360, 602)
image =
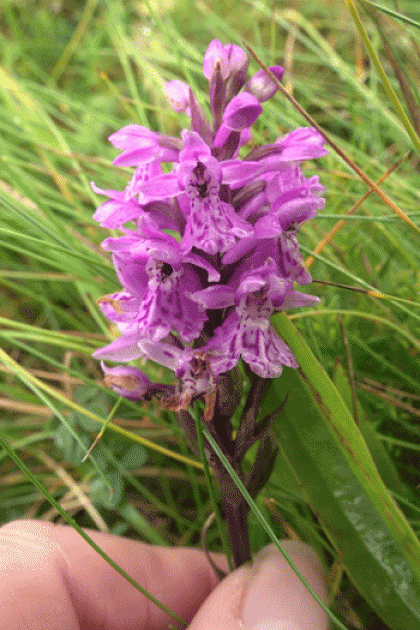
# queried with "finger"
point(51, 579)
point(268, 595)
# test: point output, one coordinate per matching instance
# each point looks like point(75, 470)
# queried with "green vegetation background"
point(72, 73)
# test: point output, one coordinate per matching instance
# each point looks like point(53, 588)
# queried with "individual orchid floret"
point(254, 340)
point(117, 210)
point(305, 143)
point(145, 171)
point(282, 156)
point(270, 240)
point(279, 188)
point(212, 225)
point(141, 145)
point(124, 206)
point(293, 197)
point(246, 331)
point(157, 280)
point(192, 368)
point(122, 350)
point(242, 111)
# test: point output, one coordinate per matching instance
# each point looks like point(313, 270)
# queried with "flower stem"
point(200, 442)
point(235, 511)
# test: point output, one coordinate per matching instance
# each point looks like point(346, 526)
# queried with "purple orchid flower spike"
point(210, 253)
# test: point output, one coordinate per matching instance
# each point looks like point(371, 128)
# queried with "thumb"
point(268, 595)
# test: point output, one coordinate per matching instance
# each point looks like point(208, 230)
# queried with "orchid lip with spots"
point(214, 252)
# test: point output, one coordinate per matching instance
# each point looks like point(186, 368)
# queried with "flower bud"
point(126, 381)
point(262, 86)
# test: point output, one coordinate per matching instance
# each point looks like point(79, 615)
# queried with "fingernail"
point(275, 598)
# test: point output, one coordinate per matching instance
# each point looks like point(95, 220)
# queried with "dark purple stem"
point(235, 511)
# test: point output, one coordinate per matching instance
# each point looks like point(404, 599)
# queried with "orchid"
point(214, 252)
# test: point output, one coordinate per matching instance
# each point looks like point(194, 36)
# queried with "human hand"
point(51, 579)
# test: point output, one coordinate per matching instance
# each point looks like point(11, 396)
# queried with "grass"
point(72, 74)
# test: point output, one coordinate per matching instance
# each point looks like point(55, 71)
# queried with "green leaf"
point(334, 467)
point(92, 400)
point(380, 455)
point(101, 494)
point(72, 449)
point(135, 457)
